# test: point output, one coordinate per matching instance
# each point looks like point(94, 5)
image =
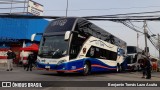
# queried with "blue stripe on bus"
point(76, 65)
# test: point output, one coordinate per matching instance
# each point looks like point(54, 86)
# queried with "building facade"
point(15, 33)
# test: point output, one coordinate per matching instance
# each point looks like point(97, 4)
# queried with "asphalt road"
point(19, 74)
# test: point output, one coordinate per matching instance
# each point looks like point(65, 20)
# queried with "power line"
point(150, 30)
point(124, 19)
point(13, 2)
point(135, 26)
point(151, 33)
point(153, 12)
point(153, 43)
point(103, 9)
point(7, 15)
point(13, 7)
point(121, 20)
point(124, 23)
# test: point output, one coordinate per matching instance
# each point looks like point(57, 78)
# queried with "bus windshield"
point(53, 47)
point(131, 50)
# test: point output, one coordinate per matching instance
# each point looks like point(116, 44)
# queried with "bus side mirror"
point(67, 35)
point(32, 37)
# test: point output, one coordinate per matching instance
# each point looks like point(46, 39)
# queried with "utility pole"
point(145, 36)
point(67, 8)
point(24, 7)
point(11, 7)
point(137, 39)
point(159, 45)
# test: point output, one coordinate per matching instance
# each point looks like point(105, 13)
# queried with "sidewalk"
point(3, 66)
point(156, 74)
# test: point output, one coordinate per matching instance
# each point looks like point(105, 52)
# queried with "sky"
point(109, 7)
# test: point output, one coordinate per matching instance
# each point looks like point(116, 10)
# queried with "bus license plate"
point(47, 66)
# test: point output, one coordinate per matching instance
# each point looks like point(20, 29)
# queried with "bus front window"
point(53, 47)
point(131, 50)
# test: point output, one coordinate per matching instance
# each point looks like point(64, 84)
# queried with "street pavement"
point(19, 74)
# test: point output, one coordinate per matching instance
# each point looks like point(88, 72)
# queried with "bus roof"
point(68, 23)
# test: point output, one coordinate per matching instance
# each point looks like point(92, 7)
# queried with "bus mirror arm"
point(33, 35)
point(75, 32)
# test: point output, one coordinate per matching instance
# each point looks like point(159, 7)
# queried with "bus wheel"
point(138, 68)
point(86, 69)
point(118, 68)
point(133, 69)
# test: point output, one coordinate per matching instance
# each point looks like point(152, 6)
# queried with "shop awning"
point(33, 47)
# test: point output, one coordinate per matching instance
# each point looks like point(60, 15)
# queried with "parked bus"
point(133, 55)
point(74, 44)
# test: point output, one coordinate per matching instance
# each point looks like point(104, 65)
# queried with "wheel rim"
point(86, 69)
point(117, 69)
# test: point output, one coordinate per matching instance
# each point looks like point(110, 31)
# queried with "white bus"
point(133, 55)
point(74, 44)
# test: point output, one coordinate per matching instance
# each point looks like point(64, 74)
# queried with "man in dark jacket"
point(10, 56)
point(31, 59)
point(142, 62)
point(146, 66)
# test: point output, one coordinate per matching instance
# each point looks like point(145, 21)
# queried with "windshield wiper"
point(55, 52)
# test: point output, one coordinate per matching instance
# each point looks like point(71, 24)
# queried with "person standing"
point(146, 66)
point(31, 60)
point(10, 56)
point(142, 65)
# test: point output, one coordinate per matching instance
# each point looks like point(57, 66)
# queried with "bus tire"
point(119, 68)
point(86, 69)
point(138, 68)
point(133, 68)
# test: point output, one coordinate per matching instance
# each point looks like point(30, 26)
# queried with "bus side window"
point(112, 55)
point(96, 52)
point(91, 52)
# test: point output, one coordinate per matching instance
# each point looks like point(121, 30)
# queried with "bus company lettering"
point(99, 43)
point(59, 22)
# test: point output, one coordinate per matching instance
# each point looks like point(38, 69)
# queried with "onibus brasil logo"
point(21, 84)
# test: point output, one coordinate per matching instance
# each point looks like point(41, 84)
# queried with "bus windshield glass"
point(131, 50)
point(53, 47)
point(60, 25)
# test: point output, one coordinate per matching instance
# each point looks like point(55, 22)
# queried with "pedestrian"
point(10, 56)
point(142, 65)
point(31, 59)
point(25, 65)
point(146, 66)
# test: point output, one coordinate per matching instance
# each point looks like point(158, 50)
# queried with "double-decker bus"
point(74, 44)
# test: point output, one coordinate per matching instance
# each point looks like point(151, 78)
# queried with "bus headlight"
point(61, 61)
